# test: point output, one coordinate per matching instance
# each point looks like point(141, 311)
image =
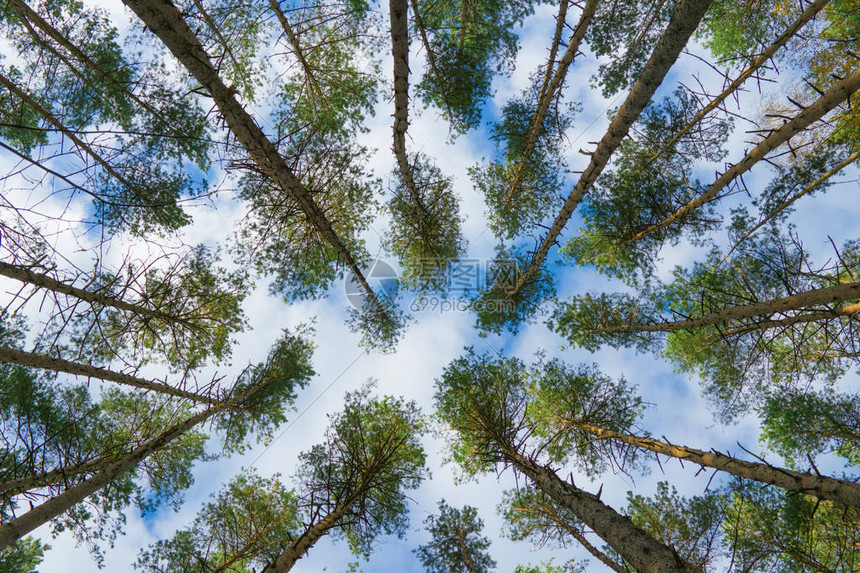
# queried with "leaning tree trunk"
point(44, 281)
point(822, 487)
point(165, 21)
point(755, 65)
point(838, 93)
point(44, 362)
point(13, 530)
point(796, 302)
point(551, 87)
point(634, 545)
point(683, 23)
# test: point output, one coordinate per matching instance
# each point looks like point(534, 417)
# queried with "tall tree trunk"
point(755, 65)
point(43, 362)
point(634, 545)
point(822, 487)
point(52, 477)
point(297, 549)
point(431, 57)
point(683, 23)
point(164, 20)
point(310, 76)
point(13, 530)
point(800, 301)
point(551, 87)
point(837, 94)
point(44, 281)
point(400, 51)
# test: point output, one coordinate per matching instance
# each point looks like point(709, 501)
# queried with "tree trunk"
point(800, 301)
point(634, 545)
point(822, 487)
point(297, 50)
point(757, 63)
point(549, 90)
point(400, 51)
point(683, 23)
point(44, 281)
point(43, 362)
point(164, 20)
point(52, 477)
point(13, 530)
point(837, 94)
point(297, 549)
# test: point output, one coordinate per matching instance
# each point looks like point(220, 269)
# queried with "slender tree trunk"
point(683, 23)
point(297, 549)
point(549, 90)
point(44, 281)
point(431, 57)
point(52, 477)
point(800, 301)
point(164, 20)
point(755, 65)
point(803, 192)
point(79, 143)
point(32, 16)
point(297, 49)
point(43, 362)
point(400, 51)
point(13, 530)
point(634, 545)
point(822, 487)
point(837, 94)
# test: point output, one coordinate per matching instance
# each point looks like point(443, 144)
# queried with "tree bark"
point(822, 487)
point(52, 477)
point(549, 90)
point(297, 549)
point(634, 545)
point(837, 94)
point(43, 362)
point(44, 281)
point(756, 64)
point(13, 530)
point(683, 23)
point(799, 301)
point(164, 20)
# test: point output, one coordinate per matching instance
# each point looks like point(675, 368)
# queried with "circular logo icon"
point(381, 277)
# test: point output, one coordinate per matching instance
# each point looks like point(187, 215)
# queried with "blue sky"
point(436, 338)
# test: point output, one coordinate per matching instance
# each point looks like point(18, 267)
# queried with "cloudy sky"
point(436, 337)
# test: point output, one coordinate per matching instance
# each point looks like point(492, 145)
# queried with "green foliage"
point(425, 231)
point(245, 527)
point(23, 556)
point(797, 424)
point(382, 325)
point(269, 387)
point(691, 526)
point(531, 515)
point(522, 189)
point(647, 184)
point(456, 544)
point(548, 567)
point(626, 32)
point(371, 457)
point(498, 307)
point(771, 530)
point(468, 43)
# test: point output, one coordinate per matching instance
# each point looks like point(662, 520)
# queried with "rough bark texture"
point(643, 552)
point(400, 52)
point(288, 558)
point(164, 20)
point(681, 26)
point(549, 90)
point(44, 281)
point(41, 361)
point(755, 65)
point(837, 94)
point(822, 487)
point(13, 530)
point(52, 477)
point(799, 301)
